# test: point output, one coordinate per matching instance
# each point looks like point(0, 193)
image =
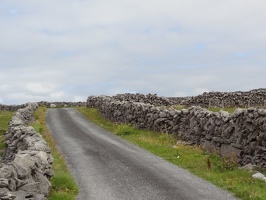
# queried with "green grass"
point(5, 117)
point(229, 110)
point(63, 185)
point(220, 171)
point(179, 107)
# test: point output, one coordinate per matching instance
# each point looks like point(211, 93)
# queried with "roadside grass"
point(64, 186)
point(223, 172)
point(5, 117)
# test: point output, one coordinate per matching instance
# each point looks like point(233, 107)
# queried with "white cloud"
point(67, 50)
point(39, 88)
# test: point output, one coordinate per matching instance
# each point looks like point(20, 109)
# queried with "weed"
point(55, 195)
point(209, 164)
point(124, 129)
point(224, 164)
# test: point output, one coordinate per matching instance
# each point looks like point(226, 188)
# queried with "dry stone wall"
point(252, 98)
point(142, 98)
point(62, 104)
point(241, 134)
point(11, 108)
point(14, 108)
point(25, 168)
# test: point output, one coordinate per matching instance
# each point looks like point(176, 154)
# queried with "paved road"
point(108, 168)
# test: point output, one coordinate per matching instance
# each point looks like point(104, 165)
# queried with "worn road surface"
point(109, 168)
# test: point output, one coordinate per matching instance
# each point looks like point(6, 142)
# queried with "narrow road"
point(109, 168)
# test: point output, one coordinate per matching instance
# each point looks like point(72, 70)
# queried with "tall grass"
point(5, 117)
point(223, 172)
point(63, 185)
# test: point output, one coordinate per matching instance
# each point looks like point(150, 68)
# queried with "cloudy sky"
point(66, 50)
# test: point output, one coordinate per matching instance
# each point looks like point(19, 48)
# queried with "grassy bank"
point(63, 185)
point(5, 117)
point(221, 172)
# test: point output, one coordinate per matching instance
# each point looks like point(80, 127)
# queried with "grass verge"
point(64, 186)
point(5, 117)
point(219, 171)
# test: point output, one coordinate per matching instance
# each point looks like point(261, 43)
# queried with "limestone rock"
point(259, 176)
point(26, 170)
point(3, 182)
point(6, 195)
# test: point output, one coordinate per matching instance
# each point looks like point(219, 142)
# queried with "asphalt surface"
point(109, 168)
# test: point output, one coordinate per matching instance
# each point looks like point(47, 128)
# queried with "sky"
point(67, 50)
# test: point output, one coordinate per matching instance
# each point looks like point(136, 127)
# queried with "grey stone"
point(184, 111)
point(44, 185)
point(30, 188)
point(262, 112)
point(4, 192)
point(238, 146)
point(39, 197)
point(12, 186)
point(23, 165)
point(20, 195)
point(162, 115)
point(5, 172)
point(230, 151)
point(8, 197)
point(250, 167)
point(172, 113)
point(3, 182)
point(259, 176)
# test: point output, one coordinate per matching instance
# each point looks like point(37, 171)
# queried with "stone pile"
point(253, 98)
point(14, 108)
point(11, 108)
point(25, 168)
point(142, 98)
point(241, 135)
point(62, 104)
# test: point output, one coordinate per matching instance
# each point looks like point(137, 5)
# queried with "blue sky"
point(66, 50)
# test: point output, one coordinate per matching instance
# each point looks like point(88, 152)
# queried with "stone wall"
point(142, 98)
point(253, 98)
point(14, 108)
point(62, 104)
point(11, 108)
point(25, 168)
point(241, 134)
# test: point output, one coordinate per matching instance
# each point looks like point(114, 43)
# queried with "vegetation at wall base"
point(223, 172)
point(5, 117)
point(64, 186)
